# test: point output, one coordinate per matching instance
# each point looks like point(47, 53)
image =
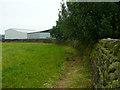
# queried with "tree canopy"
point(87, 22)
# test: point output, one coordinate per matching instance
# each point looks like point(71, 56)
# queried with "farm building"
point(2, 36)
point(26, 34)
point(45, 34)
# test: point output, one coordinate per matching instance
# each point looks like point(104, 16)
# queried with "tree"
point(88, 22)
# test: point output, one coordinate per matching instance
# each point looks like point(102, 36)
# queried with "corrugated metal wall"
point(45, 35)
point(13, 34)
point(33, 35)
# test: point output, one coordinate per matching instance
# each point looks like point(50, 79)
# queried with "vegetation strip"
point(77, 71)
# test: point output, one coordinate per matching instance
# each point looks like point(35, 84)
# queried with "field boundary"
point(29, 40)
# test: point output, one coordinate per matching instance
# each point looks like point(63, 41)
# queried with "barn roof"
point(45, 31)
point(24, 30)
point(28, 30)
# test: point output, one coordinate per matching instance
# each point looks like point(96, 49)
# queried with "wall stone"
point(105, 60)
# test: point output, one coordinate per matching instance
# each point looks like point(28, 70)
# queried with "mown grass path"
point(77, 71)
point(37, 65)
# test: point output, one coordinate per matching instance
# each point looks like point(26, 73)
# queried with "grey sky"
point(28, 14)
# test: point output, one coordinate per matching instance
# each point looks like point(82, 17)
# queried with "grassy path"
point(77, 72)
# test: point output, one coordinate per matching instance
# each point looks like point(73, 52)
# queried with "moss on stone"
point(114, 66)
point(106, 63)
point(116, 49)
point(115, 83)
point(112, 76)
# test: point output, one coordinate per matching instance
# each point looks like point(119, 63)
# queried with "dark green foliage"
point(87, 22)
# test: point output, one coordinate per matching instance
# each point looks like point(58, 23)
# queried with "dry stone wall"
point(105, 60)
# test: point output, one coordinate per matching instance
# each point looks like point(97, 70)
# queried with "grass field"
point(38, 65)
point(31, 65)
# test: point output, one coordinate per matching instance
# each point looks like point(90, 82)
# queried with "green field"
point(31, 64)
point(38, 65)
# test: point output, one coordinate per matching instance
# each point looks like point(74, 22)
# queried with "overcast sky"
point(28, 14)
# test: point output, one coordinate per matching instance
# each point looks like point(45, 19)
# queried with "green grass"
point(39, 65)
point(31, 65)
point(79, 70)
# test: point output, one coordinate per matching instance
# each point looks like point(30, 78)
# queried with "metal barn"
point(21, 34)
point(26, 34)
point(45, 34)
